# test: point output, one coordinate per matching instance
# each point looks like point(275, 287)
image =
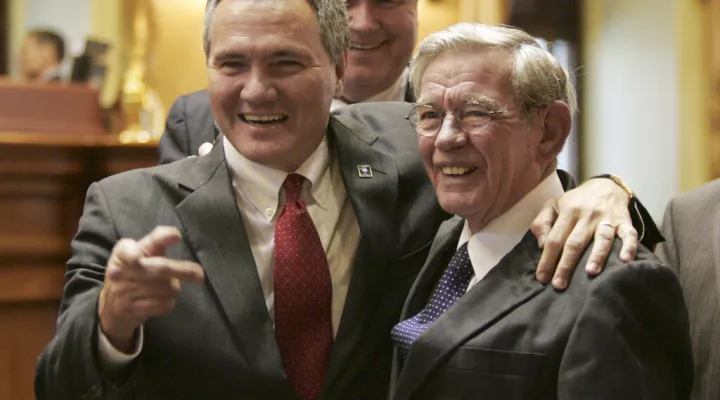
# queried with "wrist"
point(121, 339)
point(120, 333)
point(621, 184)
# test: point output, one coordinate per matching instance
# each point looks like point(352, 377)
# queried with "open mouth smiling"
point(263, 120)
point(457, 171)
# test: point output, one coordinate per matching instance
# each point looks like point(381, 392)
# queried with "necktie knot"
point(293, 185)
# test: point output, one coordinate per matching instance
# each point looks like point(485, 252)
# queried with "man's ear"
point(557, 123)
point(340, 68)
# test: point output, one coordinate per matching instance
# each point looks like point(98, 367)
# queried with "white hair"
point(537, 77)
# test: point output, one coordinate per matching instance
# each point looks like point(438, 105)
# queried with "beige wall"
point(645, 103)
point(434, 15)
point(180, 61)
point(694, 93)
point(17, 32)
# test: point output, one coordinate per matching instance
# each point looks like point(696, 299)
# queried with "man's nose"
point(450, 136)
point(258, 88)
point(362, 17)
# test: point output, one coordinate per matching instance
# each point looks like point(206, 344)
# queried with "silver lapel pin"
point(365, 171)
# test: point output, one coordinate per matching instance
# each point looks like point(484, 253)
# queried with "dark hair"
point(52, 38)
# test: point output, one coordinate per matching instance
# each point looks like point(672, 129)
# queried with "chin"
point(457, 206)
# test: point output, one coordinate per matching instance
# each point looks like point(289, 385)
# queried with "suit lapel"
point(214, 230)
point(510, 284)
point(373, 200)
point(443, 247)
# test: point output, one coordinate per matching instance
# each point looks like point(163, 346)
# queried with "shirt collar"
point(493, 242)
point(396, 92)
point(261, 185)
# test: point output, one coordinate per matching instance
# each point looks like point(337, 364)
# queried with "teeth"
point(456, 170)
point(263, 118)
point(368, 47)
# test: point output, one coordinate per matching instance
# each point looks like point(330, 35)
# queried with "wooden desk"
point(43, 179)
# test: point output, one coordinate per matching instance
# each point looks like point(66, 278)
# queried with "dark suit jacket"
point(219, 342)
point(692, 228)
point(190, 123)
point(622, 335)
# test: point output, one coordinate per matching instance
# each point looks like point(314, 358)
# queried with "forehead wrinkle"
point(461, 99)
point(295, 19)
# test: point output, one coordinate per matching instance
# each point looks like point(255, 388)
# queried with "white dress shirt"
point(493, 242)
point(260, 199)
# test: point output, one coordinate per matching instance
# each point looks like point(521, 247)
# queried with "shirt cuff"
point(112, 360)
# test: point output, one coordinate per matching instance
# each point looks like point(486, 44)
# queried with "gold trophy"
point(141, 107)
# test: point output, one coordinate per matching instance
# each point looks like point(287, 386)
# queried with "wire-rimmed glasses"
point(470, 118)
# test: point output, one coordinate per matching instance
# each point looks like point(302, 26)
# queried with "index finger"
point(154, 243)
point(125, 255)
point(165, 268)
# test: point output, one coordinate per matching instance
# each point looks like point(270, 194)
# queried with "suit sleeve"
point(667, 251)
point(175, 142)
point(631, 340)
point(68, 368)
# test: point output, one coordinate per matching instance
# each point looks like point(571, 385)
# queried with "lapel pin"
point(365, 171)
point(205, 148)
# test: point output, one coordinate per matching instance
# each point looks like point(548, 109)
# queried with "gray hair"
point(537, 77)
point(331, 15)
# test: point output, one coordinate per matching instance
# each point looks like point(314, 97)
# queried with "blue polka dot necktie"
point(303, 292)
point(452, 286)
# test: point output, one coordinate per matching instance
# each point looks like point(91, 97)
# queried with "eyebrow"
point(242, 56)
point(480, 100)
point(228, 55)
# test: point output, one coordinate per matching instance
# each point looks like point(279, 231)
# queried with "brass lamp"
point(141, 106)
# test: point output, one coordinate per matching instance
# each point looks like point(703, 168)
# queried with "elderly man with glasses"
point(494, 110)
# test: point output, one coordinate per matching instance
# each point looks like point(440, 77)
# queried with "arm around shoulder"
point(631, 339)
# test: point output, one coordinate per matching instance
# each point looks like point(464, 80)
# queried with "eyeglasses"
point(470, 118)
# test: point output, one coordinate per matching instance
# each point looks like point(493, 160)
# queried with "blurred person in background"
point(41, 56)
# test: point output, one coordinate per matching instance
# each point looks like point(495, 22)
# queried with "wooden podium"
point(52, 146)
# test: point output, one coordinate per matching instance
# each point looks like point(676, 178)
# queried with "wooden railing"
point(43, 180)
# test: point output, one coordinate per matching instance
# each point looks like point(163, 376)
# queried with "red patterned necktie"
point(303, 293)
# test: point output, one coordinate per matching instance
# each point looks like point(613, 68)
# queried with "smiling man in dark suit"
point(493, 113)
